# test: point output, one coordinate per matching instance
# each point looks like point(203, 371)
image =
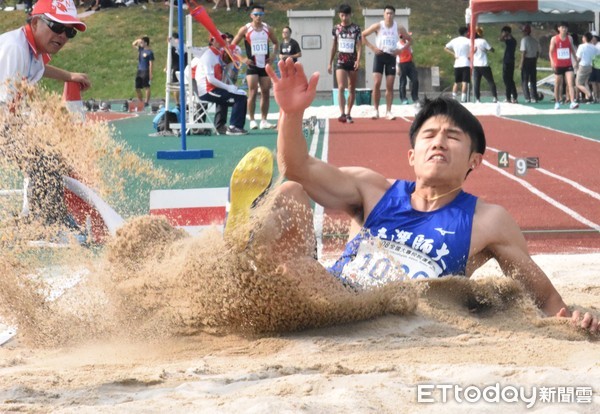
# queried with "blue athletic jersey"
point(424, 244)
point(144, 58)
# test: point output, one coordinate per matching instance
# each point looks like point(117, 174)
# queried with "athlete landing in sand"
point(431, 225)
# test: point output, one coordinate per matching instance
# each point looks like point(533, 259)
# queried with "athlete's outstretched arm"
point(326, 184)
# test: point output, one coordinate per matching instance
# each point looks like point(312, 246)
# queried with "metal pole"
point(181, 73)
point(169, 57)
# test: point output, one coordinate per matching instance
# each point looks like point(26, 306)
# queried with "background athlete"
point(347, 44)
point(257, 36)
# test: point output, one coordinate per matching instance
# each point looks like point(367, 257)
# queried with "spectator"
point(231, 70)
point(460, 49)
point(174, 43)
point(289, 47)
point(407, 70)
point(481, 66)
point(508, 64)
point(586, 52)
point(530, 52)
point(226, 2)
point(143, 78)
point(595, 77)
point(239, 5)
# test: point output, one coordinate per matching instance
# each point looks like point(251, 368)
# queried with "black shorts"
point(348, 67)
point(560, 71)
point(595, 76)
point(253, 70)
point(462, 74)
point(385, 63)
point(142, 79)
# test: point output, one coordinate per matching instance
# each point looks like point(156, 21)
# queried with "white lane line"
point(565, 180)
point(571, 213)
point(319, 210)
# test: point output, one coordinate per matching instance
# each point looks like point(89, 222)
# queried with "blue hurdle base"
point(184, 154)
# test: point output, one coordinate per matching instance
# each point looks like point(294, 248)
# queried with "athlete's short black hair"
point(345, 8)
point(457, 113)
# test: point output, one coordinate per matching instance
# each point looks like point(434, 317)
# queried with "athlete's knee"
point(292, 190)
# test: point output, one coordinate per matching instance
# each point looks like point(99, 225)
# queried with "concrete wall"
point(312, 30)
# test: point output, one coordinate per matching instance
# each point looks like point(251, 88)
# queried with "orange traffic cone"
point(72, 98)
point(200, 14)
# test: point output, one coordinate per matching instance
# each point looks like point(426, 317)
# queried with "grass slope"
point(104, 51)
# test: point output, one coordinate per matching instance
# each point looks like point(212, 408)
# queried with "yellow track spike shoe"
point(250, 179)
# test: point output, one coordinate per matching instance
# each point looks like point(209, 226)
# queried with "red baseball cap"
point(60, 11)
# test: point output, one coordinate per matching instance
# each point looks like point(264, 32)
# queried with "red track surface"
point(383, 145)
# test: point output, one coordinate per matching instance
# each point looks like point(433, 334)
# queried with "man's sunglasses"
point(258, 13)
point(59, 28)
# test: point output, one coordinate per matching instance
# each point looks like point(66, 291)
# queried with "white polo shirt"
point(461, 46)
point(480, 57)
point(20, 59)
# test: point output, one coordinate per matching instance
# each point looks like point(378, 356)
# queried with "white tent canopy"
point(488, 11)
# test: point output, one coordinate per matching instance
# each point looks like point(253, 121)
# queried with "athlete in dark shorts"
point(258, 39)
point(561, 52)
point(347, 44)
point(388, 33)
point(143, 76)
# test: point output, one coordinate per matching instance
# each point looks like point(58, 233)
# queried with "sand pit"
point(162, 322)
point(375, 365)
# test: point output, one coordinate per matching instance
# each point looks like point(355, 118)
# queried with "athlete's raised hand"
point(293, 92)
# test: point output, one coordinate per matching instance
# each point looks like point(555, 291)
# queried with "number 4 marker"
point(503, 159)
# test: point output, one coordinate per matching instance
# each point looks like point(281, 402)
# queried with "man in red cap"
point(26, 51)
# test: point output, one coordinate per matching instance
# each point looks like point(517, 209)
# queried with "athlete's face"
point(257, 15)
point(563, 30)
point(442, 151)
point(345, 19)
point(388, 16)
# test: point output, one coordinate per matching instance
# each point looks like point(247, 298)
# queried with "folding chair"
point(199, 114)
point(202, 112)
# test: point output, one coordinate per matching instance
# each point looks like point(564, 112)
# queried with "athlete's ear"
point(411, 157)
point(475, 160)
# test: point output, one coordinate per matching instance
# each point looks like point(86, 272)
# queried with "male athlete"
point(257, 35)
point(347, 45)
point(561, 52)
point(388, 33)
point(430, 227)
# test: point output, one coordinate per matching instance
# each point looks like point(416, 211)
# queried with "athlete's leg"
point(265, 89)
point(389, 92)
point(342, 81)
point(352, 78)
point(377, 77)
point(252, 82)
